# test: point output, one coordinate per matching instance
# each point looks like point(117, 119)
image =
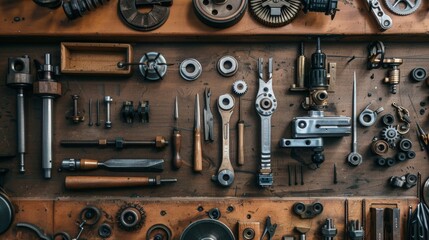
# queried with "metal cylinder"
point(47, 136)
point(20, 125)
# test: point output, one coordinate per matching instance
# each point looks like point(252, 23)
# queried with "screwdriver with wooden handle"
point(198, 153)
point(240, 127)
point(92, 182)
point(132, 165)
point(177, 139)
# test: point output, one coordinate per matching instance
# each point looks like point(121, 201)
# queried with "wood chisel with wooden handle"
point(93, 182)
point(131, 165)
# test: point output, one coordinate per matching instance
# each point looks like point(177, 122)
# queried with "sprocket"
point(403, 7)
point(390, 134)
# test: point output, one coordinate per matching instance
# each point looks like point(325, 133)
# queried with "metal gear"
point(131, 217)
point(275, 13)
point(390, 134)
point(403, 7)
point(239, 87)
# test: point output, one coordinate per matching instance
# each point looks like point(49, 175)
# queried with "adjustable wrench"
point(225, 174)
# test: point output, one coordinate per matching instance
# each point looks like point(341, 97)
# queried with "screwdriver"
point(118, 143)
point(134, 165)
point(177, 138)
point(198, 154)
point(92, 182)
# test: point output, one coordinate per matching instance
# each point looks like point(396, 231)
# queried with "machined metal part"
point(220, 13)
point(19, 78)
point(225, 175)
point(190, 69)
point(406, 181)
point(328, 229)
point(403, 7)
point(411, 154)
point(227, 66)
point(390, 162)
point(118, 143)
point(214, 213)
point(90, 215)
point(207, 229)
point(390, 134)
point(302, 232)
point(153, 66)
point(239, 87)
point(393, 77)
point(380, 161)
point(249, 234)
point(208, 117)
point(405, 144)
point(376, 52)
point(143, 20)
point(77, 8)
point(108, 101)
point(131, 217)
point(354, 158)
point(377, 223)
point(329, 7)
point(403, 113)
point(98, 121)
point(401, 156)
point(143, 110)
point(48, 89)
point(316, 124)
point(355, 230)
point(132, 165)
point(274, 13)
point(7, 212)
point(306, 211)
point(388, 119)
point(105, 230)
point(368, 117)
point(266, 105)
point(301, 143)
point(158, 231)
point(127, 112)
point(379, 147)
point(90, 121)
point(384, 21)
point(76, 115)
point(299, 84)
point(418, 74)
point(425, 192)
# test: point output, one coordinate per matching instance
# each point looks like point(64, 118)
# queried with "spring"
point(77, 8)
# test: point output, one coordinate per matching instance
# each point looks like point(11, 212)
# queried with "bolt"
point(75, 118)
point(108, 100)
point(90, 113)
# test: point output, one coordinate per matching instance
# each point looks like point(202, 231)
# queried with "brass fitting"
point(160, 142)
point(393, 77)
point(379, 147)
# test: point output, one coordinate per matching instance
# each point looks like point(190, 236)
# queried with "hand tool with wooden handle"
point(92, 182)
point(132, 165)
point(240, 128)
point(177, 139)
point(198, 153)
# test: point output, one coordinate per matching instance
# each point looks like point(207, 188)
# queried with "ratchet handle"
point(198, 153)
point(177, 140)
point(240, 158)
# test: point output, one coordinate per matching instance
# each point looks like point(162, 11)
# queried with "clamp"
point(270, 229)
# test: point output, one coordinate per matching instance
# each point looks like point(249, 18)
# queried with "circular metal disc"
point(274, 17)
point(6, 213)
point(207, 229)
point(154, 67)
point(142, 21)
point(403, 7)
point(220, 14)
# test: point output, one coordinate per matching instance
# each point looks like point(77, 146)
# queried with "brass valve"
point(393, 77)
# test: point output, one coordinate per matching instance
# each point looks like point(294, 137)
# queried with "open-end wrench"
point(354, 158)
point(225, 174)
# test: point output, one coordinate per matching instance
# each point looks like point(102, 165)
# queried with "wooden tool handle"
point(88, 164)
point(198, 153)
point(240, 158)
point(91, 182)
point(177, 139)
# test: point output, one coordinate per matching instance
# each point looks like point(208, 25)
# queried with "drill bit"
point(198, 154)
point(177, 138)
point(132, 165)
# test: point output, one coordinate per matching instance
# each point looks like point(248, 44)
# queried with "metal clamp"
point(368, 117)
point(384, 21)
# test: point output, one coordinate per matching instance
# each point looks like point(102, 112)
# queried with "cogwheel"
point(403, 7)
point(390, 134)
point(274, 13)
point(131, 217)
point(239, 87)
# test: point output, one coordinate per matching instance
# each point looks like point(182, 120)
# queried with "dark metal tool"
point(96, 182)
point(392, 228)
point(118, 143)
point(419, 223)
point(133, 165)
point(270, 229)
point(208, 117)
point(177, 138)
point(377, 223)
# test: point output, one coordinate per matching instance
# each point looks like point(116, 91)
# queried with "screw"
point(98, 113)
point(90, 113)
point(108, 100)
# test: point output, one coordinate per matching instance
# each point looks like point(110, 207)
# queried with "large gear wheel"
point(131, 217)
point(390, 134)
point(275, 13)
point(403, 7)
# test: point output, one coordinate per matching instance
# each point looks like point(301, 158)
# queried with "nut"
point(47, 88)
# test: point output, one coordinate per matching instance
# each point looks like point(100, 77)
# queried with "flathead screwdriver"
point(177, 138)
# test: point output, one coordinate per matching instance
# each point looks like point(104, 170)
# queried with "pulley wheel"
point(220, 13)
point(144, 21)
point(207, 229)
point(274, 13)
point(6, 213)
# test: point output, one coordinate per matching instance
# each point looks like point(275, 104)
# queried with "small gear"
point(390, 134)
point(403, 7)
point(131, 217)
point(239, 87)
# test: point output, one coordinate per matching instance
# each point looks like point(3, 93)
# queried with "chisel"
point(198, 154)
point(92, 182)
point(177, 138)
point(132, 165)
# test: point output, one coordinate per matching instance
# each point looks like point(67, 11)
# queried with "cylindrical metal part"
point(47, 136)
point(108, 100)
point(20, 125)
point(92, 182)
point(300, 71)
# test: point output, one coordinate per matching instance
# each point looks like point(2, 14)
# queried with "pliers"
point(269, 230)
point(208, 117)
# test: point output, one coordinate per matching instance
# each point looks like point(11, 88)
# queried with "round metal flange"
point(6, 213)
point(367, 117)
point(158, 231)
point(225, 177)
point(274, 13)
point(190, 69)
point(403, 7)
point(226, 102)
point(131, 217)
point(153, 66)
point(227, 66)
point(207, 229)
point(220, 13)
point(143, 21)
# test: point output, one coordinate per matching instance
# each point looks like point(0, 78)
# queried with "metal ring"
point(367, 117)
point(418, 74)
point(226, 102)
point(227, 66)
point(249, 234)
point(90, 214)
point(225, 177)
point(159, 228)
point(190, 63)
point(388, 119)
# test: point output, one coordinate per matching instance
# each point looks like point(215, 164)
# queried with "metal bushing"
point(91, 215)
point(401, 156)
point(227, 66)
point(153, 66)
point(411, 155)
point(405, 144)
point(190, 69)
point(380, 161)
point(105, 230)
point(379, 147)
point(367, 117)
point(418, 74)
point(47, 88)
point(390, 162)
point(388, 119)
point(220, 13)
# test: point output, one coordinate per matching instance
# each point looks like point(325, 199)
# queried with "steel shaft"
point(47, 136)
point(20, 125)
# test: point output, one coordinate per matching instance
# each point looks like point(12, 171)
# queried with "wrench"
point(354, 158)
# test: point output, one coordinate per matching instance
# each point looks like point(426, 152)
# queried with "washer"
point(226, 102)
point(193, 64)
point(227, 66)
point(153, 66)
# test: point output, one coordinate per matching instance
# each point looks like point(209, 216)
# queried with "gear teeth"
point(397, 8)
point(239, 87)
point(263, 13)
point(391, 135)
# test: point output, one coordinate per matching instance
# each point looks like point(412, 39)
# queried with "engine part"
point(390, 134)
point(138, 165)
point(380, 161)
point(411, 155)
point(329, 7)
point(108, 101)
point(302, 232)
point(118, 143)
point(269, 230)
point(177, 138)
point(214, 213)
point(403, 7)
point(127, 112)
point(384, 21)
point(190, 69)
point(406, 181)
point(227, 66)
point(98, 182)
point(425, 192)
point(418, 74)
point(76, 116)
point(274, 13)
point(141, 20)
point(7, 211)
point(405, 145)
point(77, 8)
point(105, 230)
point(354, 158)
point(131, 217)
point(208, 116)
point(306, 211)
point(368, 117)
point(328, 229)
point(158, 232)
point(239, 87)
point(48, 89)
point(198, 151)
point(392, 217)
point(220, 13)
point(355, 230)
point(388, 119)
point(377, 223)
point(90, 121)
point(401, 156)
point(143, 111)
point(207, 229)
point(152, 65)
point(266, 105)
point(299, 86)
point(19, 78)
point(90, 215)
point(225, 175)
point(379, 147)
